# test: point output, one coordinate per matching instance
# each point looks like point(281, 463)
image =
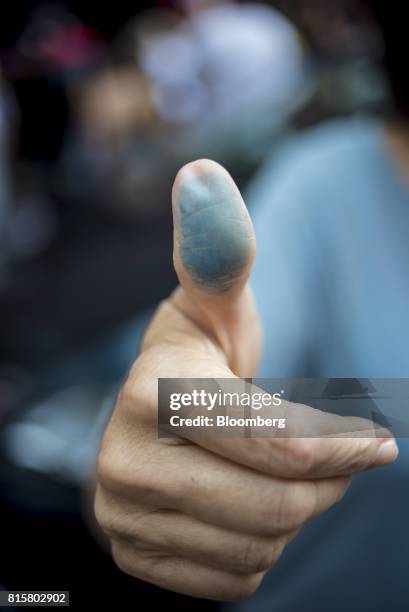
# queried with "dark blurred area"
point(99, 107)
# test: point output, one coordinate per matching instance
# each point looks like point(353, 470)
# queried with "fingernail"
point(387, 453)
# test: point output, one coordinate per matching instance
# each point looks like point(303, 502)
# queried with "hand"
point(209, 517)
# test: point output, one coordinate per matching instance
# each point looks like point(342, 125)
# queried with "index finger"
point(315, 445)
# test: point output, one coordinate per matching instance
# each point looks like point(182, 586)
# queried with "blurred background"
point(99, 107)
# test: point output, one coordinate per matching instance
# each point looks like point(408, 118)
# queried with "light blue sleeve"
point(286, 277)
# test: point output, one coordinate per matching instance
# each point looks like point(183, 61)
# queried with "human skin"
point(208, 517)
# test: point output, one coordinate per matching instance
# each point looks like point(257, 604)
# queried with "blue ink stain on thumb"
point(214, 227)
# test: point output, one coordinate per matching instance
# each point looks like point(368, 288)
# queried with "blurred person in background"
point(220, 79)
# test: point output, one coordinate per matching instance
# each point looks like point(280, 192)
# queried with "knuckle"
point(291, 509)
point(345, 456)
point(104, 515)
point(120, 468)
point(137, 398)
point(343, 486)
point(358, 456)
point(132, 396)
point(245, 586)
point(257, 556)
point(142, 378)
point(107, 469)
point(301, 456)
point(269, 556)
point(101, 515)
point(119, 474)
point(121, 557)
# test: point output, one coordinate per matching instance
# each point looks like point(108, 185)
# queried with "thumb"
point(214, 248)
point(214, 243)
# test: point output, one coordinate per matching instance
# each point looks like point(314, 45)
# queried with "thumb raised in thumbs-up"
point(214, 248)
